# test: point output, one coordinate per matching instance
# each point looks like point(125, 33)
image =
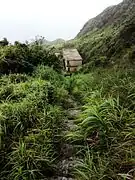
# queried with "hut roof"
point(57, 54)
point(71, 55)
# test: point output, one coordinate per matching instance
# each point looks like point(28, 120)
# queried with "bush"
point(49, 74)
point(31, 122)
point(22, 58)
point(40, 55)
point(14, 59)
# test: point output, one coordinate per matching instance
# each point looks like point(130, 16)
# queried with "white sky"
point(24, 19)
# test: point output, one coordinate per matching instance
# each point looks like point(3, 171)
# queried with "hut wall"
point(73, 69)
point(72, 65)
point(75, 63)
point(66, 64)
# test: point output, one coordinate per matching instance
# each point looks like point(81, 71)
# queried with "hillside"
point(109, 38)
point(55, 42)
point(42, 41)
point(117, 14)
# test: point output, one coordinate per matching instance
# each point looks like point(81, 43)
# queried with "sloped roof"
point(71, 55)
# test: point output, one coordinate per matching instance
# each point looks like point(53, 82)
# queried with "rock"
point(61, 178)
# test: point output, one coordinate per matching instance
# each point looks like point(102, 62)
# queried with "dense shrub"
point(47, 73)
point(31, 121)
point(14, 59)
point(40, 55)
point(22, 58)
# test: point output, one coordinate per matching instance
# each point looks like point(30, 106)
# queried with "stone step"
point(67, 150)
point(61, 178)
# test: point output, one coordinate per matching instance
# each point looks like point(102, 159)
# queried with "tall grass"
point(31, 122)
point(32, 119)
point(104, 133)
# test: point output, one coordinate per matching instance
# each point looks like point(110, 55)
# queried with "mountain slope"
point(109, 38)
point(115, 15)
point(55, 42)
point(43, 41)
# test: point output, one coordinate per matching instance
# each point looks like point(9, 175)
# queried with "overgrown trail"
point(66, 159)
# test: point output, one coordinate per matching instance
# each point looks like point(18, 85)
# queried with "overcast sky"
point(24, 19)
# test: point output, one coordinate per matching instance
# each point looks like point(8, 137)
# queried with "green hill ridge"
point(109, 38)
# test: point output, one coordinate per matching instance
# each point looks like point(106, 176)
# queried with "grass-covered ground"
point(31, 121)
point(32, 114)
point(35, 98)
point(104, 132)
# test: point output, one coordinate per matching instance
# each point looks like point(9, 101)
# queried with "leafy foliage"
point(22, 58)
point(31, 122)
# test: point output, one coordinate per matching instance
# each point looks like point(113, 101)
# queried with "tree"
point(4, 42)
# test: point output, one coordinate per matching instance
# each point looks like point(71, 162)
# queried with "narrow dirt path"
point(66, 160)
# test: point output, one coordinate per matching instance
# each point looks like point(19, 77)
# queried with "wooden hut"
point(72, 59)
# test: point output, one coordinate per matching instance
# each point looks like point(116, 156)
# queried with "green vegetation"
point(108, 46)
point(36, 101)
point(104, 132)
point(31, 121)
point(23, 58)
point(33, 110)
